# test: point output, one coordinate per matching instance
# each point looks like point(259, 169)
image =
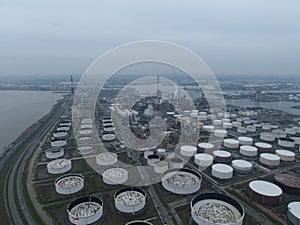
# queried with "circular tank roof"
point(263, 145)
point(249, 148)
point(265, 188)
point(269, 156)
point(285, 153)
point(294, 208)
point(288, 180)
point(224, 168)
point(221, 153)
point(241, 163)
point(205, 145)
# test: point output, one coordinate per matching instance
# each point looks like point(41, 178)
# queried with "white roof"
point(231, 141)
point(270, 156)
point(245, 139)
point(263, 145)
point(285, 152)
point(221, 153)
point(224, 168)
point(249, 148)
point(294, 208)
point(241, 163)
point(205, 145)
point(204, 157)
point(188, 148)
point(265, 188)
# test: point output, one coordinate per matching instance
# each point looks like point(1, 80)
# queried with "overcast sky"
point(41, 37)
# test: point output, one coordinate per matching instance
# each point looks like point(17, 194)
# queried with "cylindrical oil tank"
point(85, 210)
point(264, 192)
point(242, 130)
point(130, 200)
point(217, 122)
point(213, 209)
point(176, 163)
point(139, 222)
point(267, 136)
point(236, 124)
point(245, 140)
point(60, 134)
point(161, 166)
point(221, 156)
point(152, 159)
point(59, 166)
point(222, 171)
point(115, 175)
point(58, 143)
point(54, 153)
point(241, 166)
point(220, 133)
point(264, 147)
point(231, 143)
point(290, 131)
point(106, 159)
point(227, 125)
point(183, 181)
point(248, 150)
point(251, 128)
point(289, 183)
point(69, 184)
point(188, 150)
point(286, 142)
point(269, 159)
point(208, 128)
point(205, 147)
point(203, 160)
point(293, 213)
point(285, 155)
point(108, 137)
point(278, 133)
point(85, 149)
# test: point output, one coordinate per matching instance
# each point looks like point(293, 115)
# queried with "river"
point(20, 109)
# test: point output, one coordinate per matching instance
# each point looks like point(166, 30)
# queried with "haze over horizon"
point(251, 37)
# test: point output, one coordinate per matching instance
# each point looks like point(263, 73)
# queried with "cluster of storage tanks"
point(108, 130)
point(59, 136)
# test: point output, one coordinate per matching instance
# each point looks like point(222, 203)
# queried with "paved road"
point(17, 171)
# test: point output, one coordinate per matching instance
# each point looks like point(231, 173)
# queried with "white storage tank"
point(222, 171)
point(220, 133)
point(217, 122)
point(86, 126)
point(63, 128)
point(85, 131)
point(161, 166)
point(267, 136)
point(293, 213)
point(290, 131)
point(216, 209)
point(59, 166)
point(278, 133)
point(115, 175)
point(296, 139)
point(54, 153)
point(245, 140)
point(248, 150)
point(285, 155)
point(251, 128)
point(85, 149)
point(106, 159)
point(286, 142)
point(183, 181)
point(58, 143)
point(269, 159)
point(85, 210)
point(264, 147)
point(130, 200)
point(203, 160)
point(152, 159)
point(236, 124)
point(86, 121)
point(231, 143)
point(60, 134)
point(188, 150)
point(242, 130)
point(176, 163)
point(69, 184)
point(227, 125)
point(241, 166)
point(222, 156)
point(108, 137)
point(205, 147)
point(208, 128)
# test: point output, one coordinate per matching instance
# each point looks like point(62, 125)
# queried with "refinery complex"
point(243, 168)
